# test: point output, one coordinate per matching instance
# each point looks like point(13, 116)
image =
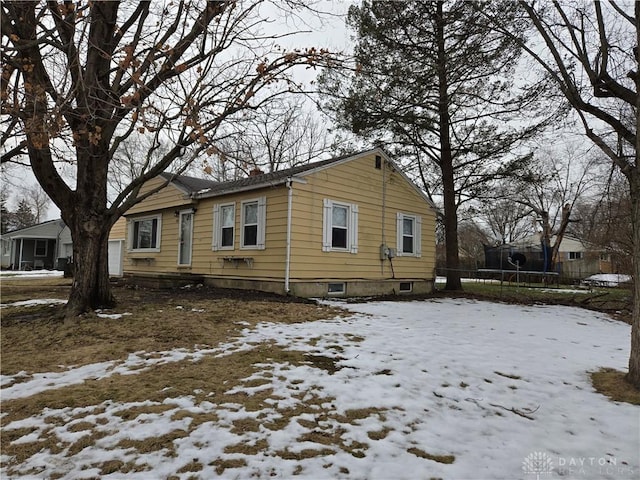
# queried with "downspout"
point(383, 167)
point(287, 267)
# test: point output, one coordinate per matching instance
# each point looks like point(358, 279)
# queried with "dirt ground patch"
point(15, 289)
point(37, 339)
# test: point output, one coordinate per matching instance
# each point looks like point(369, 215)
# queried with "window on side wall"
point(340, 227)
point(409, 229)
point(224, 221)
point(145, 234)
point(253, 218)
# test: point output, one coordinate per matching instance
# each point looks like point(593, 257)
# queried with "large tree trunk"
point(90, 289)
point(446, 162)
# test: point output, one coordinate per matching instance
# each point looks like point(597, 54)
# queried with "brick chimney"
point(255, 172)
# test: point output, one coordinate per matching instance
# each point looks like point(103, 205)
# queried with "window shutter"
point(326, 225)
point(353, 227)
point(129, 235)
point(262, 220)
point(399, 243)
point(418, 236)
point(215, 243)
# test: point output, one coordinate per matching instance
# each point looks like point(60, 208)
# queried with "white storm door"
point(186, 238)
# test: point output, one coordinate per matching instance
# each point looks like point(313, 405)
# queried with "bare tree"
point(472, 239)
point(604, 220)
point(507, 221)
point(279, 134)
point(591, 51)
point(39, 201)
point(551, 191)
point(80, 79)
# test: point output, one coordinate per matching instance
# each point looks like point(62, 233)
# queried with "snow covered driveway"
point(452, 389)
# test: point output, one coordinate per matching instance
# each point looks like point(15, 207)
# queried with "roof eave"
point(246, 188)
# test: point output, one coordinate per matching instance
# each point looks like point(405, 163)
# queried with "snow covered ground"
point(31, 273)
point(607, 279)
point(503, 389)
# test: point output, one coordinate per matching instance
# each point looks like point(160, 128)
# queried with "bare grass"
point(612, 383)
point(38, 339)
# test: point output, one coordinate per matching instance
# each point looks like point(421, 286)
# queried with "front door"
point(186, 235)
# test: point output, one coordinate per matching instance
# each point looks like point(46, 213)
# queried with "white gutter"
point(288, 259)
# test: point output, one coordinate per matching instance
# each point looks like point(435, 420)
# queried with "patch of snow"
point(607, 279)
point(113, 316)
point(34, 302)
point(31, 273)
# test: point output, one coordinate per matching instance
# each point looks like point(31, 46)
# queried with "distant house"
point(48, 245)
point(36, 247)
point(354, 225)
point(576, 259)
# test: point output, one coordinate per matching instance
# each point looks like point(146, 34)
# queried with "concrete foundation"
point(361, 288)
point(316, 289)
point(175, 280)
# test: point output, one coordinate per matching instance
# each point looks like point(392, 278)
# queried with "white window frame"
point(417, 235)
point(261, 225)
point(131, 229)
point(575, 256)
point(342, 291)
point(35, 247)
point(327, 226)
point(217, 227)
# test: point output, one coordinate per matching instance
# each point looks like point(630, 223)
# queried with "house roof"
point(568, 244)
point(189, 185)
point(200, 188)
point(41, 230)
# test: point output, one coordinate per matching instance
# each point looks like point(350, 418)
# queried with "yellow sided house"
point(348, 226)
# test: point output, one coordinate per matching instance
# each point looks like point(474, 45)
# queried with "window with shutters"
point(224, 223)
point(253, 219)
point(340, 227)
point(409, 229)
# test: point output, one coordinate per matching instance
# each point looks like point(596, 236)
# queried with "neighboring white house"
point(37, 247)
point(48, 245)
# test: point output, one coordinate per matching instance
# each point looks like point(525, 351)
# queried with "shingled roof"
point(201, 188)
point(189, 185)
point(264, 179)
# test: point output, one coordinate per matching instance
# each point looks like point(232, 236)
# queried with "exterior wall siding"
point(359, 182)
point(239, 262)
point(118, 231)
point(168, 197)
